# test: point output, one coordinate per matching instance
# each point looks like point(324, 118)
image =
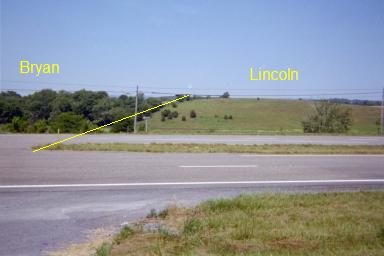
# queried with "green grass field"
point(252, 116)
point(266, 224)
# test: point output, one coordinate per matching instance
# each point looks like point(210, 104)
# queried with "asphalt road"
point(33, 139)
point(50, 198)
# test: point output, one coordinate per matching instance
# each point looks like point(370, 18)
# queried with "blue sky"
point(205, 47)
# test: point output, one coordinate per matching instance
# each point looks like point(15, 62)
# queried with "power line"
point(277, 95)
point(37, 90)
point(217, 95)
point(63, 83)
point(253, 89)
point(214, 95)
point(180, 88)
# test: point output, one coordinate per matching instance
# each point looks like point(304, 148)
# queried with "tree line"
point(47, 111)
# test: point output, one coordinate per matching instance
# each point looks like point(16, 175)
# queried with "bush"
point(40, 126)
point(18, 124)
point(328, 117)
point(174, 104)
point(68, 122)
point(230, 117)
point(225, 117)
point(166, 113)
point(175, 114)
point(163, 118)
point(183, 118)
point(192, 114)
point(225, 95)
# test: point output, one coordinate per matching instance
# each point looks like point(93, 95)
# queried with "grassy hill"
point(252, 116)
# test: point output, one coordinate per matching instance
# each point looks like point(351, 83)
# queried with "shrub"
point(225, 95)
point(68, 122)
point(183, 118)
point(328, 117)
point(163, 118)
point(225, 117)
point(192, 114)
point(18, 124)
point(40, 126)
point(230, 117)
point(174, 104)
point(175, 114)
point(165, 113)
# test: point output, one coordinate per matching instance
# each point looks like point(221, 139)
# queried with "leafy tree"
point(68, 122)
point(40, 104)
point(64, 102)
point(85, 101)
point(10, 106)
point(41, 110)
point(329, 118)
point(123, 126)
point(101, 111)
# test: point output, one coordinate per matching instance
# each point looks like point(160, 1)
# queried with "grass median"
point(266, 224)
point(224, 148)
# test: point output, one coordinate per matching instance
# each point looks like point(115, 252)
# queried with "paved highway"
point(50, 198)
point(33, 139)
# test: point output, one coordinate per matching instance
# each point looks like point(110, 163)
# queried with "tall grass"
point(269, 224)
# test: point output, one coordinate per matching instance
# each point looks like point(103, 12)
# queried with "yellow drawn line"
point(114, 122)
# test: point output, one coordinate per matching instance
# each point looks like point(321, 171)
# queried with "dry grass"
point(308, 224)
point(94, 241)
point(223, 148)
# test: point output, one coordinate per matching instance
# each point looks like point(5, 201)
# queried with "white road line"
point(313, 155)
point(364, 139)
point(194, 183)
point(218, 166)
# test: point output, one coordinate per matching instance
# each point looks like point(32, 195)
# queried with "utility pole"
point(135, 120)
point(382, 114)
